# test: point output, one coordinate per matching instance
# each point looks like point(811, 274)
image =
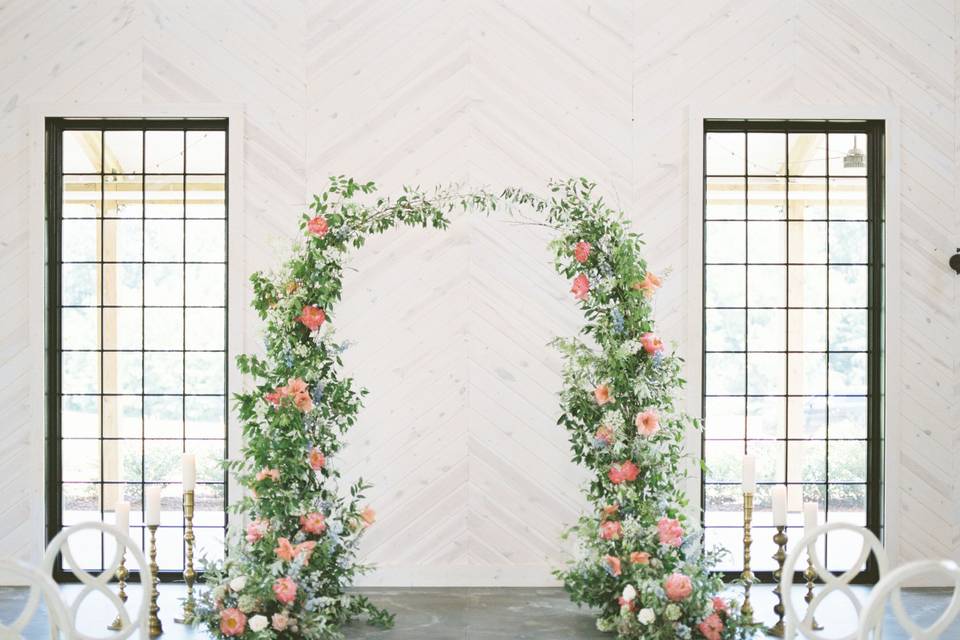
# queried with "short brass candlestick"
point(811, 575)
point(779, 539)
point(189, 575)
point(122, 575)
point(747, 575)
point(156, 627)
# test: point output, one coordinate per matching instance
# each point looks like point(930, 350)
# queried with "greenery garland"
point(640, 562)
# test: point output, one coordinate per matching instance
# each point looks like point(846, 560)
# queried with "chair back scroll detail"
point(888, 589)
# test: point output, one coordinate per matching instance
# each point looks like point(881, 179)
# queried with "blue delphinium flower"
point(617, 317)
point(317, 394)
point(682, 630)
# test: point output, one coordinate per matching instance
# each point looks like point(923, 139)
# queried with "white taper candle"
point(189, 471)
point(810, 518)
point(121, 516)
point(780, 506)
point(153, 505)
point(749, 474)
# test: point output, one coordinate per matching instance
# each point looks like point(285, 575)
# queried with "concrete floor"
point(475, 614)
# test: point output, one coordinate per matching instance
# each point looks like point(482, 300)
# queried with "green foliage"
point(305, 533)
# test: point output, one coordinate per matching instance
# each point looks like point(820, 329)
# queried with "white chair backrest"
point(68, 624)
point(889, 588)
point(42, 589)
point(793, 623)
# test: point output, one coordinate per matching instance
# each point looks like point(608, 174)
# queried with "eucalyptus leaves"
point(640, 563)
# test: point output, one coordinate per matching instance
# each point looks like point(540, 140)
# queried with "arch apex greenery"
point(639, 563)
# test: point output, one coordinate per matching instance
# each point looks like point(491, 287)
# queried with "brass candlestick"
point(156, 627)
point(811, 575)
point(189, 574)
point(780, 539)
point(747, 575)
point(122, 575)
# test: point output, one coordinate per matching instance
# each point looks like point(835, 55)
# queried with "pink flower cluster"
point(263, 474)
point(611, 530)
point(296, 390)
point(623, 472)
point(652, 344)
point(318, 226)
point(256, 530)
point(285, 590)
point(648, 285)
point(316, 459)
point(581, 251)
point(287, 551)
point(313, 523)
point(670, 532)
point(581, 287)
point(312, 317)
point(648, 422)
point(678, 587)
point(232, 622)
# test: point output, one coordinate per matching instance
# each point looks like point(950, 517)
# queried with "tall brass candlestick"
point(122, 575)
point(156, 627)
point(189, 575)
point(747, 575)
point(780, 539)
point(811, 575)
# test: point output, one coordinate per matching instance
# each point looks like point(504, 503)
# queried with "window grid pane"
point(141, 325)
point(787, 266)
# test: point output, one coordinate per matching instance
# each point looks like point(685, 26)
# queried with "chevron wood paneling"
point(449, 330)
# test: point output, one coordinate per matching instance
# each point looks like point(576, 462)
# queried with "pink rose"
point(640, 557)
point(581, 287)
point(602, 394)
point(651, 343)
point(256, 530)
point(232, 622)
point(317, 459)
point(678, 587)
point(581, 251)
point(623, 472)
point(648, 285)
point(280, 621)
point(611, 530)
point(313, 523)
point(285, 590)
point(711, 627)
point(648, 422)
point(318, 226)
point(312, 317)
point(719, 604)
point(612, 565)
point(369, 516)
point(671, 532)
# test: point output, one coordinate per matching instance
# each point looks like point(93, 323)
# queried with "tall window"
point(792, 326)
point(136, 325)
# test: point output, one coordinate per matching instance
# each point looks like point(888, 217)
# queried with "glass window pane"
point(162, 417)
point(164, 241)
point(205, 328)
point(122, 328)
point(205, 372)
point(770, 456)
point(80, 372)
point(163, 329)
point(80, 284)
point(726, 153)
point(206, 241)
point(848, 199)
point(807, 155)
point(848, 417)
point(80, 416)
point(123, 240)
point(163, 461)
point(122, 416)
point(765, 418)
point(848, 242)
point(807, 242)
point(206, 285)
point(807, 461)
point(82, 151)
point(848, 373)
point(768, 198)
point(766, 373)
point(123, 151)
point(808, 330)
point(724, 460)
point(210, 456)
point(122, 372)
point(723, 418)
point(808, 286)
point(81, 197)
point(848, 286)
point(767, 242)
point(83, 463)
point(80, 503)
point(206, 197)
point(164, 151)
point(163, 372)
point(123, 196)
point(848, 330)
point(204, 417)
point(848, 154)
point(164, 197)
point(767, 329)
point(725, 286)
point(725, 373)
point(765, 286)
point(164, 284)
point(766, 153)
point(210, 510)
point(81, 240)
point(807, 417)
point(80, 328)
point(726, 242)
point(122, 460)
point(807, 199)
point(848, 461)
point(206, 151)
point(807, 373)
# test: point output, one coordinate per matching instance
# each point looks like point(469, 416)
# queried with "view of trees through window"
point(788, 270)
point(137, 376)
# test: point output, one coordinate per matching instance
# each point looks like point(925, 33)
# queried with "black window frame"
point(876, 187)
point(53, 205)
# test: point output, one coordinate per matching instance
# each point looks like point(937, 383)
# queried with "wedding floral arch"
point(640, 562)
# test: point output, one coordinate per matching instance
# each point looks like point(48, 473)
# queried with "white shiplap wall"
point(472, 479)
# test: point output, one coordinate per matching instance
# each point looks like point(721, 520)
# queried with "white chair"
point(42, 589)
point(889, 588)
point(101, 583)
point(793, 623)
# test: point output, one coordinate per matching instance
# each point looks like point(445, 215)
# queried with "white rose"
point(672, 612)
point(646, 616)
point(629, 593)
point(258, 623)
point(238, 583)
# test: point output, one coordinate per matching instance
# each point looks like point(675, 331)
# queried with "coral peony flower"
point(285, 590)
point(305, 549)
point(256, 530)
point(719, 604)
point(274, 397)
point(317, 459)
point(623, 472)
point(671, 532)
point(263, 474)
point(318, 226)
point(232, 622)
point(312, 317)
point(279, 621)
point(711, 627)
point(678, 587)
point(651, 343)
point(581, 287)
point(648, 422)
point(648, 285)
point(602, 394)
point(313, 523)
point(369, 516)
point(581, 251)
point(640, 557)
point(611, 530)
point(612, 565)
point(285, 550)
